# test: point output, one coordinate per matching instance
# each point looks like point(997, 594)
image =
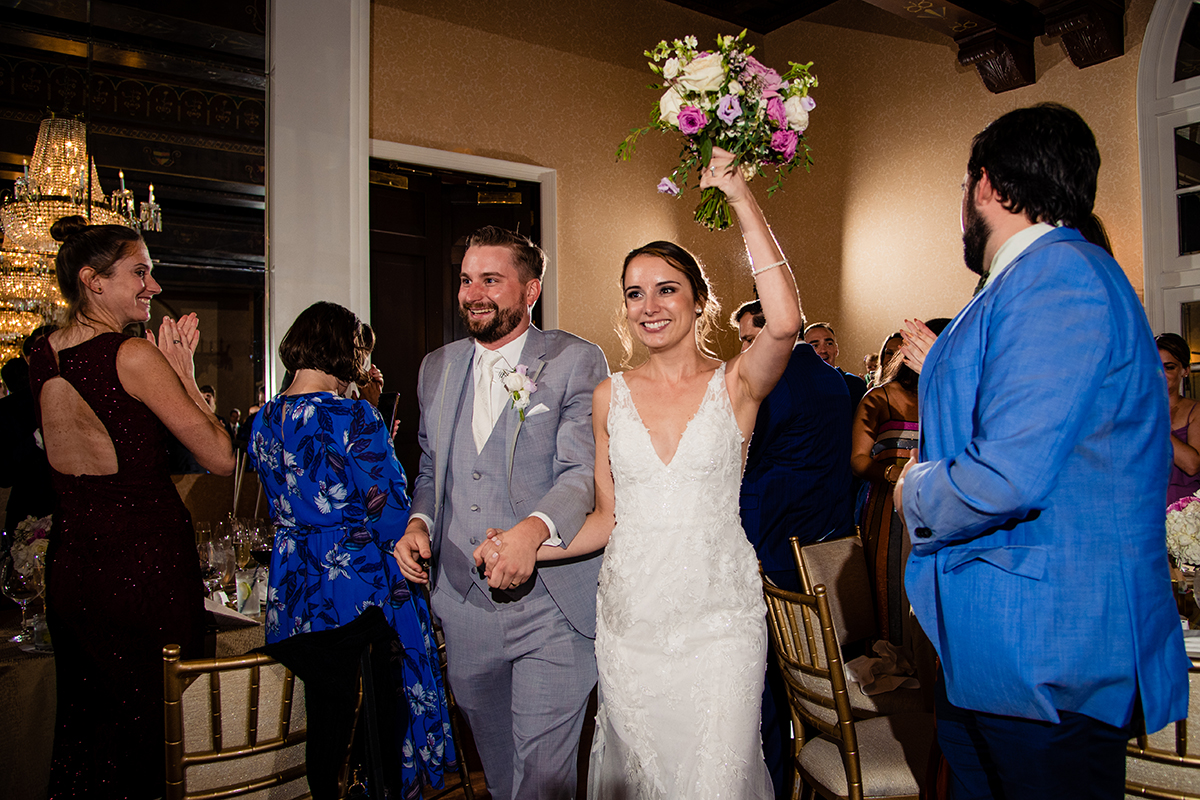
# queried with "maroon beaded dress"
point(122, 580)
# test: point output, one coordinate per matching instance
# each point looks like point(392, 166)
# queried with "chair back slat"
point(218, 743)
point(841, 566)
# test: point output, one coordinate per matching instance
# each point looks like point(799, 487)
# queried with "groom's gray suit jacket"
point(543, 464)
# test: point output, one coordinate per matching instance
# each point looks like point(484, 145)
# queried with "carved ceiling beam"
point(1092, 31)
point(995, 38)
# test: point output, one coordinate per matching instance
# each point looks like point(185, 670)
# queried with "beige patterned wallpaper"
point(873, 232)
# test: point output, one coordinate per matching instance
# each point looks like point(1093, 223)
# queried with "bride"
point(681, 632)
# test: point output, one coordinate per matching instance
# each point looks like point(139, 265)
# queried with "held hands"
point(412, 546)
point(177, 341)
point(918, 338)
point(508, 557)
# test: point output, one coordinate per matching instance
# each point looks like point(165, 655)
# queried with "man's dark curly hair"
point(1042, 161)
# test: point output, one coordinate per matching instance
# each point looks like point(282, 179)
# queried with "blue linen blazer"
point(797, 478)
point(1039, 564)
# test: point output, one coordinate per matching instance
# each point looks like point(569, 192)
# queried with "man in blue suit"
point(1039, 565)
point(796, 483)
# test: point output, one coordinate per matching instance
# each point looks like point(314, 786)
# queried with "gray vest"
point(476, 499)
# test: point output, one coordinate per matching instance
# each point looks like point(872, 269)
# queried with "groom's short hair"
point(527, 257)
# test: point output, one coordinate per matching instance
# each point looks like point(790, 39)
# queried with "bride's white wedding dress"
point(681, 638)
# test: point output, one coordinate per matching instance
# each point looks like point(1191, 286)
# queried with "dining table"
point(28, 699)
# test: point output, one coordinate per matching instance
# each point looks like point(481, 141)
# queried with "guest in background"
point(337, 495)
point(123, 579)
point(234, 423)
point(796, 483)
point(870, 369)
point(823, 340)
point(23, 465)
point(885, 435)
point(1185, 422)
point(887, 351)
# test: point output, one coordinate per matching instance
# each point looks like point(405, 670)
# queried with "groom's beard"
point(502, 323)
point(975, 238)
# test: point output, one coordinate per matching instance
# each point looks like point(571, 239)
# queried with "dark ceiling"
point(173, 92)
point(994, 36)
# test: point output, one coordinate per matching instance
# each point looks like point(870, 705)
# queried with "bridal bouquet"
point(1183, 530)
point(726, 98)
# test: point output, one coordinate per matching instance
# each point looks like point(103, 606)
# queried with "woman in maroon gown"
point(123, 578)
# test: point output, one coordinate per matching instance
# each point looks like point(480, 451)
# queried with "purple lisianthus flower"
point(667, 186)
point(808, 103)
point(692, 120)
point(776, 112)
point(784, 142)
point(729, 109)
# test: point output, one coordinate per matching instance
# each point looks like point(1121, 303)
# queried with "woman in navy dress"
point(337, 495)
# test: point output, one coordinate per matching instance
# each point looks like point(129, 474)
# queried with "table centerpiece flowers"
point(727, 98)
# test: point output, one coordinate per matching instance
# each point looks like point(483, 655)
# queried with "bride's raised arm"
point(760, 367)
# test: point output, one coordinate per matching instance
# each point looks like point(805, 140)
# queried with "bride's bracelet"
point(757, 272)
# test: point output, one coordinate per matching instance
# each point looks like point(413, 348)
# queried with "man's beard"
point(975, 238)
point(502, 323)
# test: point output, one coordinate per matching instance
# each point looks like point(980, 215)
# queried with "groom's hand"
point(508, 557)
point(412, 546)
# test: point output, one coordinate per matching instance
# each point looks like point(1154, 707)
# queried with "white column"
point(318, 62)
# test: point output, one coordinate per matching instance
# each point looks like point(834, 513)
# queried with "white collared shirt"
point(510, 357)
point(1016, 244)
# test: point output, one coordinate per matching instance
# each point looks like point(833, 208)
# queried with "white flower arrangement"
point(30, 544)
point(1183, 530)
point(518, 384)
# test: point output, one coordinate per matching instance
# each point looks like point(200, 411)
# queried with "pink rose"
point(692, 120)
point(776, 112)
point(768, 78)
point(1182, 503)
point(784, 142)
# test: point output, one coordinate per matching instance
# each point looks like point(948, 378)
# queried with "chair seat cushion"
point(893, 752)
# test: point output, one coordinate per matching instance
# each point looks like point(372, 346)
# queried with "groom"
point(521, 658)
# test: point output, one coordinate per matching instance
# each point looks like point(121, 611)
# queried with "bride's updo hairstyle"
point(84, 245)
point(331, 339)
point(691, 268)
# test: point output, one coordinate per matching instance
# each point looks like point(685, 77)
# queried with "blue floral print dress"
point(338, 498)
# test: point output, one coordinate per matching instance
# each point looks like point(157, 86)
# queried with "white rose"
point(671, 68)
point(704, 74)
point(521, 401)
point(797, 117)
point(668, 107)
point(514, 381)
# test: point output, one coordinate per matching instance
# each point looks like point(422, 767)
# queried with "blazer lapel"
point(531, 357)
point(450, 397)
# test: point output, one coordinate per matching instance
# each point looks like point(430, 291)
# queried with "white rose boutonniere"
point(518, 384)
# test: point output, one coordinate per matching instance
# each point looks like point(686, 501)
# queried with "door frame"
point(464, 162)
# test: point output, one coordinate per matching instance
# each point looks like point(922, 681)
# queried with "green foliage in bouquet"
point(726, 98)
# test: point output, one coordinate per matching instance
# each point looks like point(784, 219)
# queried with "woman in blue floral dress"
point(337, 495)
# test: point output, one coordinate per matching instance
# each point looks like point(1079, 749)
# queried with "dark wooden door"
point(420, 218)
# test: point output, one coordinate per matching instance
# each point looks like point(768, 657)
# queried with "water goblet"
point(21, 586)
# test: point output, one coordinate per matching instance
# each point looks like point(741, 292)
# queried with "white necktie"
point(482, 420)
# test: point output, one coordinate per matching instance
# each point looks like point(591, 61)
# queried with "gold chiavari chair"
point(1165, 765)
point(840, 565)
point(236, 727)
point(882, 757)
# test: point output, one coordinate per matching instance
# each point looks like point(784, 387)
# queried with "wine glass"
point(21, 587)
point(209, 571)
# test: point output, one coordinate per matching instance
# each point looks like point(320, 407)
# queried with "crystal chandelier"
point(59, 181)
point(56, 183)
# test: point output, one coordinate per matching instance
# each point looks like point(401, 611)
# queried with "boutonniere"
point(518, 384)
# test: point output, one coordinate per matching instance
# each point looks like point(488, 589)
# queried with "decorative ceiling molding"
point(994, 36)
